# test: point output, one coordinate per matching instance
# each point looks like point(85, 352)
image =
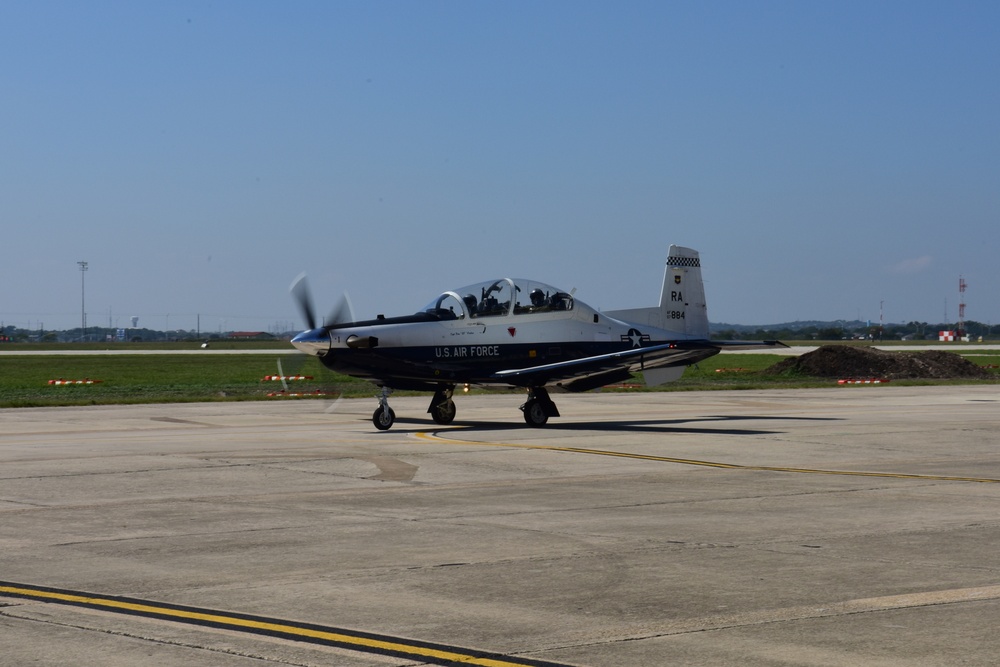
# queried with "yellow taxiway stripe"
point(438, 654)
point(435, 436)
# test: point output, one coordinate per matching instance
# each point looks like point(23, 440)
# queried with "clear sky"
point(823, 157)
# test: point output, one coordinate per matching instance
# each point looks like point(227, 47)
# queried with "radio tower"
point(961, 307)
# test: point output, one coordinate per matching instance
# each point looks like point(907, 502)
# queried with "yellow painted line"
point(434, 653)
point(434, 436)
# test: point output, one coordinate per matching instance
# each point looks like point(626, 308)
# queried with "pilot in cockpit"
point(470, 303)
point(538, 300)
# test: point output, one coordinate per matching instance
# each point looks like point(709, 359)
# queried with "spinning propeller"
point(341, 313)
point(314, 338)
point(300, 292)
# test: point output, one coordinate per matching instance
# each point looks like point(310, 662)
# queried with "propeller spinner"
point(316, 339)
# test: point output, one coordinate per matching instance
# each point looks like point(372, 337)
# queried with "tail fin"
point(682, 300)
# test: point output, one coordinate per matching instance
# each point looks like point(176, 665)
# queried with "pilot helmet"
point(537, 297)
point(470, 302)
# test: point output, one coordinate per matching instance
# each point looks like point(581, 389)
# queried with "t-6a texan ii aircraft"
point(519, 333)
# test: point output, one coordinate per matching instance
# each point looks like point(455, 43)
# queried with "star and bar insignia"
point(636, 337)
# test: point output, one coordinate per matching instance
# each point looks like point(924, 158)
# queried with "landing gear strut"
point(539, 407)
point(442, 409)
point(384, 416)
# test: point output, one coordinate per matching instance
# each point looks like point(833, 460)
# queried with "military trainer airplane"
point(520, 333)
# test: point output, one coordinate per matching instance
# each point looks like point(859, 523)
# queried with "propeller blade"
point(332, 407)
point(300, 291)
point(281, 374)
point(342, 313)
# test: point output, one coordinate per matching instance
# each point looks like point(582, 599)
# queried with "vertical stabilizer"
point(682, 300)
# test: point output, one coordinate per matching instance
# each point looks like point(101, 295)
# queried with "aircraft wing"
point(599, 370)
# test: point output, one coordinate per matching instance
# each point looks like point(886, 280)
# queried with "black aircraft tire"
point(444, 413)
point(534, 413)
point(383, 419)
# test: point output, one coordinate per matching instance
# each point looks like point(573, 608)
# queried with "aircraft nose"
point(314, 341)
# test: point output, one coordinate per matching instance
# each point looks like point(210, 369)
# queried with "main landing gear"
point(442, 408)
point(539, 407)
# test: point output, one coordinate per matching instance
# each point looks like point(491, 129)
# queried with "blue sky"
point(823, 157)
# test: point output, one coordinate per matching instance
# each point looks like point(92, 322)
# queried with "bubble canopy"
point(503, 297)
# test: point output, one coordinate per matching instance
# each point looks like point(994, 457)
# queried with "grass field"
point(163, 378)
point(123, 378)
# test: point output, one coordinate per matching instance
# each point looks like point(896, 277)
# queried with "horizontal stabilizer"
point(725, 345)
point(646, 316)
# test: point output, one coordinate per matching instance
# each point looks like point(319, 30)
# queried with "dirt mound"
point(845, 361)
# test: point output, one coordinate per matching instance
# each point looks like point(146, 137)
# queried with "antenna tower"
point(961, 306)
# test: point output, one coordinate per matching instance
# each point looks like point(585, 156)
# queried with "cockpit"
point(496, 298)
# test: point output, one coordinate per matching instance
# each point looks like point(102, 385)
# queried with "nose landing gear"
point(384, 416)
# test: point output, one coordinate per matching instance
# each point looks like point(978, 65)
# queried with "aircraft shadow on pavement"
point(619, 425)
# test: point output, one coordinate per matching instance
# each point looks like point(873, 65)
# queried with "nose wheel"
point(384, 416)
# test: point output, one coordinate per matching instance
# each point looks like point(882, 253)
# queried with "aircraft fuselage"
point(424, 350)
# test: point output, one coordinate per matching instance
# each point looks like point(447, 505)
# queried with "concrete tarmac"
point(841, 526)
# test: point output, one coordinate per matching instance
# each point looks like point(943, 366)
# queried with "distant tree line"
point(830, 331)
point(12, 334)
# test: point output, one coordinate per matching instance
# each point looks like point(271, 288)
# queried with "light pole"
point(83, 300)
